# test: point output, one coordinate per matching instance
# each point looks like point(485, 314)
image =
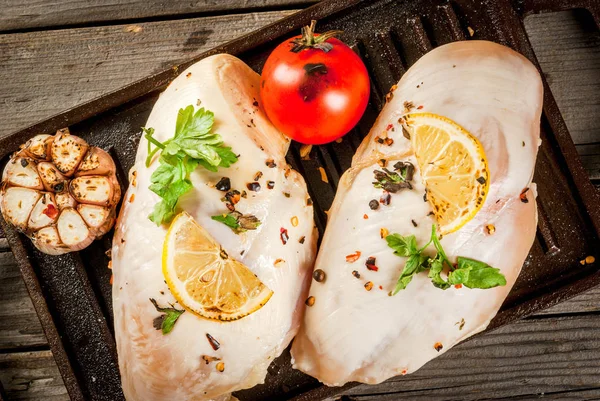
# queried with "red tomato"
point(314, 88)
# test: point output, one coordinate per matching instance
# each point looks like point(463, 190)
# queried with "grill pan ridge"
point(72, 294)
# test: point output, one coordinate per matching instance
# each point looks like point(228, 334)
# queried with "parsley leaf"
point(193, 144)
point(167, 321)
point(237, 221)
point(468, 272)
point(402, 246)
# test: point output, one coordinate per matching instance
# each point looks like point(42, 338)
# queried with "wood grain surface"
point(18, 15)
point(44, 73)
point(45, 70)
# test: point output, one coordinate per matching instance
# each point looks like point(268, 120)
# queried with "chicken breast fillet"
point(170, 367)
point(351, 334)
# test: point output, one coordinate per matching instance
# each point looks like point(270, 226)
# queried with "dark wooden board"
point(527, 358)
point(18, 15)
point(544, 25)
point(44, 73)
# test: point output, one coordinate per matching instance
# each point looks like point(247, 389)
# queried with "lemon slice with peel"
point(204, 278)
point(453, 167)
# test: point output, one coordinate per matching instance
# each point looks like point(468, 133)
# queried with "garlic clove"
point(21, 172)
point(98, 218)
point(64, 200)
point(94, 189)
point(72, 230)
point(96, 162)
point(67, 151)
point(48, 241)
point(52, 179)
point(44, 213)
point(17, 204)
point(38, 147)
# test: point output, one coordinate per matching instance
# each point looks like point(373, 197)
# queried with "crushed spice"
point(370, 263)
point(382, 162)
point(369, 285)
point(460, 324)
point(283, 234)
point(414, 223)
point(319, 275)
point(213, 342)
point(305, 152)
point(258, 175)
point(278, 262)
point(323, 175)
point(310, 301)
point(294, 221)
point(390, 181)
point(374, 204)
point(302, 239)
point(385, 198)
point(270, 163)
point(438, 346)
point(355, 273)
point(208, 359)
point(224, 184)
point(523, 195)
point(253, 186)
point(490, 229)
point(383, 232)
point(220, 367)
point(365, 216)
point(588, 260)
point(353, 257)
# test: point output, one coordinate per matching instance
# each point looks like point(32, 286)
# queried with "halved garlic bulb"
point(60, 191)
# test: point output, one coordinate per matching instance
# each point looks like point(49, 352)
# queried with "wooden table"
point(55, 55)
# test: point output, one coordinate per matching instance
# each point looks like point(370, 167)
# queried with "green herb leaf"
point(237, 221)
point(468, 272)
point(193, 144)
point(228, 220)
point(402, 246)
point(167, 321)
point(481, 275)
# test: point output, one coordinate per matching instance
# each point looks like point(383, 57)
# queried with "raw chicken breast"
point(170, 367)
point(351, 334)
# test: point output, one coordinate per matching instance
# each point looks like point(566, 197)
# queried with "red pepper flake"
point(438, 346)
point(458, 286)
point(420, 107)
point(213, 342)
point(370, 263)
point(189, 74)
point(385, 198)
point(365, 216)
point(353, 257)
point(523, 196)
point(112, 279)
point(381, 287)
point(51, 211)
point(131, 198)
point(389, 127)
point(283, 234)
point(404, 371)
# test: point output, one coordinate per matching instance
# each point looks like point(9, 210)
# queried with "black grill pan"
point(72, 294)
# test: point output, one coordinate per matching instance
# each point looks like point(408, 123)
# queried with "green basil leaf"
point(435, 274)
point(481, 275)
point(184, 117)
point(228, 219)
point(170, 320)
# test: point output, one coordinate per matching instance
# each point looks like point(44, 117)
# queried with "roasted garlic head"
point(60, 191)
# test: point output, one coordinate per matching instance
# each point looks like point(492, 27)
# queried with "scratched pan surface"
point(72, 294)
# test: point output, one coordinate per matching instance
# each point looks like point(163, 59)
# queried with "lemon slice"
point(453, 167)
point(204, 278)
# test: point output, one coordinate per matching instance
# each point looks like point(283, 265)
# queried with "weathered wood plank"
point(18, 14)
point(31, 376)
point(44, 73)
point(19, 324)
point(530, 357)
point(567, 45)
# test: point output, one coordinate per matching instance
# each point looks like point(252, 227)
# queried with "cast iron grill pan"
point(72, 294)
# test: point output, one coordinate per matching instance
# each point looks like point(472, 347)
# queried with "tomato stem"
point(310, 40)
